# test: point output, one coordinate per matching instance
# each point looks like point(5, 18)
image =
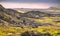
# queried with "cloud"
point(27, 5)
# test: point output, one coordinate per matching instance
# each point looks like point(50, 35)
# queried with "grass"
point(53, 30)
point(43, 29)
point(4, 31)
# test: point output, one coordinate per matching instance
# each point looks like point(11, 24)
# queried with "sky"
point(40, 4)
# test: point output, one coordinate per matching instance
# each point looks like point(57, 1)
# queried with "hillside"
point(55, 8)
point(52, 9)
point(25, 10)
point(31, 23)
point(9, 15)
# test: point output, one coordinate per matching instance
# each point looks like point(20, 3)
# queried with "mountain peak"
point(1, 6)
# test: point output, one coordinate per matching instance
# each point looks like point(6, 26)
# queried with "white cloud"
point(27, 5)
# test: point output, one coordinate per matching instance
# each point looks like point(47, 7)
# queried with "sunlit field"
point(53, 29)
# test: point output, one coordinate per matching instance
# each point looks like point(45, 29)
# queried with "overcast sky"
point(29, 3)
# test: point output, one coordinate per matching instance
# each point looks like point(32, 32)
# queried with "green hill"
point(40, 23)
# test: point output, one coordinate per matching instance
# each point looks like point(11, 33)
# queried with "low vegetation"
point(31, 23)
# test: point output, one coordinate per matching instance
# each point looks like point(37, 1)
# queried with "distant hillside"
point(25, 10)
point(35, 14)
point(55, 8)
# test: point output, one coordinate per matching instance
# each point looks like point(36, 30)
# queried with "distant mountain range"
point(55, 8)
point(25, 10)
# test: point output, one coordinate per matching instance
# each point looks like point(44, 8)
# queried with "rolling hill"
point(40, 23)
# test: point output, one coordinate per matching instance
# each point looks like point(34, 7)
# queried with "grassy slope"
point(12, 31)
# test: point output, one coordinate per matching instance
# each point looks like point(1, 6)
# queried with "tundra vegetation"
point(31, 23)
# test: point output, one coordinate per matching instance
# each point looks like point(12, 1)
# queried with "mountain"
point(35, 14)
point(55, 8)
point(1, 7)
point(9, 16)
point(25, 10)
point(12, 17)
